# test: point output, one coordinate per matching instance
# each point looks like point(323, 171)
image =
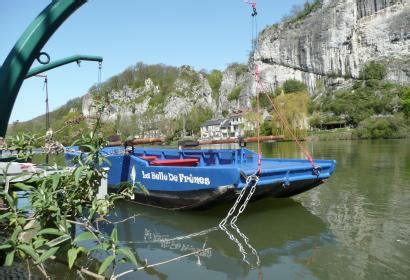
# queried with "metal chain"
point(247, 242)
point(249, 180)
point(238, 243)
point(233, 208)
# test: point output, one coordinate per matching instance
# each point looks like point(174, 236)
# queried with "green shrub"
point(291, 86)
point(373, 71)
point(234, 95)
point(239, 68)
point(266, 128)
point(215, 81)
point(196, 118)
point(264, 102)
point(361, 103)
point(301, 12)
point(381, 127)
point(405, 101)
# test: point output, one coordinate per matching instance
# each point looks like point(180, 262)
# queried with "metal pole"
point(47, 108)
point(26, 50)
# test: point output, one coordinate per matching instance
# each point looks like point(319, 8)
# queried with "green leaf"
point(39, 242)
point(114, 235)
point(72, 256)
point(52, 231)
point(90, 147)
point(28, 250)
point(16, 233)
point(58, 240)
point(47, 254)
point(103, 247)
point(5, 246)
point(77, 174)
point(86, 235)
point(23, 186)
point(5, 215)
point(56, 180)
point(105, 264)
point(21, 220)
point(9, 258)
point(10, 200)
point(92, 212)
point(128, 254)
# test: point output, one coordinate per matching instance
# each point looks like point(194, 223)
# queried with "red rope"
point(287, 126)
point(257, 79)
point(281, 117)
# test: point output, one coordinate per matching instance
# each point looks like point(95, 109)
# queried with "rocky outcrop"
point(232, 80)
point(328, 47)
point(336, 41)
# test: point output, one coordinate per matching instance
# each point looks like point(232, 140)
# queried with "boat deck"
point(195, 176)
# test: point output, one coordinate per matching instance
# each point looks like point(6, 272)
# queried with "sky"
point(207, 34)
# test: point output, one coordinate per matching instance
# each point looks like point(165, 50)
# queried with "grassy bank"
point(329, 135)
point(347, 134)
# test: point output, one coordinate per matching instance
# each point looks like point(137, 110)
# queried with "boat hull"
point(207, 198)
point(211, 177)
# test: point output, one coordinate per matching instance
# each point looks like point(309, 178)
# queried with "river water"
point(355, 226)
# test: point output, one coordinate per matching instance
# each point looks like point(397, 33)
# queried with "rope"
point(257, 73)
point(278, 112)
point(287, 127)
point(257, 79)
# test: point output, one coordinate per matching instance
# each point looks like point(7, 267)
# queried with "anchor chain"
point(238, 243)
point(249, 180)
point(247, 242)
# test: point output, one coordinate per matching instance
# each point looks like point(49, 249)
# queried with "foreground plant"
point(23, 144)
point(63, 212)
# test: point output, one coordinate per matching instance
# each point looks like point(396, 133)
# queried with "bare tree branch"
point(157, 264)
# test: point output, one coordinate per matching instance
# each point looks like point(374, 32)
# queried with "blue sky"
point(207, 34)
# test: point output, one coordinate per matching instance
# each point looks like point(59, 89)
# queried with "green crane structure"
point(28, 48)
point(60, 62)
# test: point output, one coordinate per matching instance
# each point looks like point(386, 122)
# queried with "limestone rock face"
point(328, 47)
point(336, 41)
point(234, 80)
point(151, 102)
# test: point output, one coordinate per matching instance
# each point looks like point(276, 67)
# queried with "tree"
point(266, 128)
point(215, 81)
point(291, 86)
point(373, 71)
point(234, 95)
point(405, 101)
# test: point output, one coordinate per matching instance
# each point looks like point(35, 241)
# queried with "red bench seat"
point(149, 158)
point(175, 162)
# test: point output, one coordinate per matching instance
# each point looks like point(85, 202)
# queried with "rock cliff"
point(334, 42)
point(327, 46)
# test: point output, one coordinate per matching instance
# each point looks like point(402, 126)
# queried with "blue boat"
point(192, 179)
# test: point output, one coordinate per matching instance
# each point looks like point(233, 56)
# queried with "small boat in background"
point(191, 179)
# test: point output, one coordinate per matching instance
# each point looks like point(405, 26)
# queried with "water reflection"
point(356, 226)
point(265, 232)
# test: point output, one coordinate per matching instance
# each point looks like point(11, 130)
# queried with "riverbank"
point(331, 135)
point(349, 134)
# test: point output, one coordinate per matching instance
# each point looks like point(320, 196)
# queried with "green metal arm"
point(17, 64)
point(60, 62)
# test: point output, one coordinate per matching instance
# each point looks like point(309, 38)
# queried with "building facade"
point(233, 126)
